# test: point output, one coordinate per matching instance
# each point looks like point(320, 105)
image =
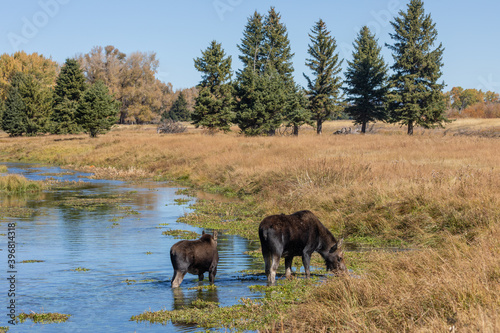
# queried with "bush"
point(170, 126)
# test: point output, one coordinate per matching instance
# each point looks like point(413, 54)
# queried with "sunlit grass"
point(435, 193)
point(18, 184)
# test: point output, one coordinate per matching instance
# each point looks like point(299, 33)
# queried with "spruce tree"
point(70, 85)
point(366, 81)
point(97, 111)
point(14, 117)
point(276, 45)
point(179, 110)
point(28, 102)
point(323, 89)
point(252, 45)
point(267, 62)
point(213, 106)
point(298, 112)
point(416, 96)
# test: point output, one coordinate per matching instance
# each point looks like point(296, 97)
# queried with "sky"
point(178, 31)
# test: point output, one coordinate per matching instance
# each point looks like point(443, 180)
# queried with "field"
point(436, 194)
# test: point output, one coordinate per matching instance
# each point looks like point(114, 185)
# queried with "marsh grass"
point(436, 192)
point(181, 234)
point(18, 184)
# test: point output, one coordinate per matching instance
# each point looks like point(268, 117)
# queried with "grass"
point(18, 184)
point(44, 318)
point(181, 234)
point(435, 193)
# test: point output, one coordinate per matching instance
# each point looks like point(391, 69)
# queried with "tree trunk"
point(410, 128)
point(295, 130)
point(363, 127)
point(319, 126)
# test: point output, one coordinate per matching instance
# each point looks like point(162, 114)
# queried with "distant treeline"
point(37, 95)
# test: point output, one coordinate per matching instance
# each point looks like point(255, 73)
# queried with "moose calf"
point(195, 257)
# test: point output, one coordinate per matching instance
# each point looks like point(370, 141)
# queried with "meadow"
point(435, 194)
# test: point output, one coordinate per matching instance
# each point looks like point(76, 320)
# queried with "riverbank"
point(436, 191)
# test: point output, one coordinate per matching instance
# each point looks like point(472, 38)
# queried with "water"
point(127, 257)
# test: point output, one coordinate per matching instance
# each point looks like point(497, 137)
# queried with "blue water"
point(116, 245)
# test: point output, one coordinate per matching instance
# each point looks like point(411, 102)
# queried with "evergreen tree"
point(267, 62)
point(276, 45)
point(179, 110)
point(366, 80)
point(213, 105)
point(70, 85)
point(251, 45)
point(416, 96)
point(28, 106)
point(14, 116)
point(298, 112)
point(97, 111)
point(323, 90)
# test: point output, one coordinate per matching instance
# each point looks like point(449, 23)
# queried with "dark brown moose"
point(195, 257)
point(298, 234)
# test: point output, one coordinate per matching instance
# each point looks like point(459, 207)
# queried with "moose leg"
point(211, 275)
point(200, 277)
point(177, 278)
point(306, 261)
point(288, 266)
point(274, 267)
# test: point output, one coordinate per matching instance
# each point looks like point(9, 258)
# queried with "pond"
point(97, 252)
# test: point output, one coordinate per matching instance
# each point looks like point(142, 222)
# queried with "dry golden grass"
point(438, 190)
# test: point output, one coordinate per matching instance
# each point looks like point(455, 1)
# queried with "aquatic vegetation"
point(181, 201)
point(31, 261)
point(43, 318)
point(4, 329)
point(18, 184)
point(3, 168)
point(181, 234)
point(15, 212)
point(81, 269)
point(204, 287)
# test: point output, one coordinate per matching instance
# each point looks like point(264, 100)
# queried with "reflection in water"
point(127, 257)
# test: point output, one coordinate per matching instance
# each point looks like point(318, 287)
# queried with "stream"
point(104, 262)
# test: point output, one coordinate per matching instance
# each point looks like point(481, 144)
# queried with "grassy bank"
point(437, 192)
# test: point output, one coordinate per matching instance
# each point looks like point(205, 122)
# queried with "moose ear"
point(203, 232)
point(340, 243)
point(337, 245)
point(215, 235)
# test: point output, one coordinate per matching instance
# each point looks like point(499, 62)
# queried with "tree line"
point(265, 97)
point(37, 96)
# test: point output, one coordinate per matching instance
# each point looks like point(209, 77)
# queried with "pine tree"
point(298, 112)
point(324, 89)
point(14, 118)
point(97, 111)
point(70, 85)
point(267, 61)
point(213, 106)
point(366, 80)
point(179, 110)
point(251, 45)
point(276, 45)
point(29, 103)
point(416, 96)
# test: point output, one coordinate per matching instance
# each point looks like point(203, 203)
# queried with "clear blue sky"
point(179, 30)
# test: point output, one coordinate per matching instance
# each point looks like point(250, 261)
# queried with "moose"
point(195, 257)
point(298, 234)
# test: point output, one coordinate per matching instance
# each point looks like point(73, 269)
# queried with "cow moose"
point(298, 234)
point(195, 257)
